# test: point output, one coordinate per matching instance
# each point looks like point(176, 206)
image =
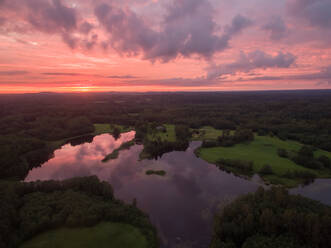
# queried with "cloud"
point(315, 12)
point(13, 73)
point(276, 27)
point(251, 61)
point(61, 74)
point(128, 33)
point(323, 83)
point(46, 16)
point(323, 74)
point(187, 29)
point(86, 27)
point(90, 43)
point(88, 75)
point(49, 16)
point(2, 21)
point(121, 77)
point(239, 23)
point(324, 77)
point(70, 40)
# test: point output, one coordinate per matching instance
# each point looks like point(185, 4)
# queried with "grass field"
point(261, 151)
point(169, 135)
point(207, 133)
point(107, 128)
point(103, 235)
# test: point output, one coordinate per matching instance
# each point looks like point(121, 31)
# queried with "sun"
point(83, 88)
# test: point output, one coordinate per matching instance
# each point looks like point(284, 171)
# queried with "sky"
point(164, 45)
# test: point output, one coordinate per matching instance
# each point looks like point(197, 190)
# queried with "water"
point(181, 204)
point(320, 190)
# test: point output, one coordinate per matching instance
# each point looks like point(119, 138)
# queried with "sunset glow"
point(177, 45)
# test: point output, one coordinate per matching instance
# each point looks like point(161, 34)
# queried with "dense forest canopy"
point(273, 218)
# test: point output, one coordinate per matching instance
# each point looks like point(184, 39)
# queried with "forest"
point(272, 218)
point(291, 128)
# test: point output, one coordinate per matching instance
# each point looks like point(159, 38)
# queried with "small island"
point(116, 152)
point(156, 172)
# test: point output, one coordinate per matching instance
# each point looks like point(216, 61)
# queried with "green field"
point(261, 151)
point(169, 135)
point(206, 133)
point(102, 128)
point(103, 235)
point(107, 128)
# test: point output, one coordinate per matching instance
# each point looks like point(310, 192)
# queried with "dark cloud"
point(129, 34)
point(251, 61)
point(49, 16)
point(88, 75)
point(276, 27)
point(323, 83)
point(265, 78)
point(188, 29)
point(13, 73)
point(61, 74)
point(90, 43)
point(316, 12)
point(324, 77)
point(2, 20)
point(239, 23)
point(85, 27)
point(121, 77)
point(70, 40)
point(324, 74)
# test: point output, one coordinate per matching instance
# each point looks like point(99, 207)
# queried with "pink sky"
point(156, 45)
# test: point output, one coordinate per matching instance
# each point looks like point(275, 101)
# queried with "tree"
point(325, 161)
point(116, 133)
point(182, 132)
point(306, 151)
point(282, 153)
point(266, 170)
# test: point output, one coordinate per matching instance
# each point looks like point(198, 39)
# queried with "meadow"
point(206, 133)
point(168, 135)
point(104, 234)
point(263, 151)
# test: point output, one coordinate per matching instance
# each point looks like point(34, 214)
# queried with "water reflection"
point(181, 204)
point(79, 160)
point(320, 190)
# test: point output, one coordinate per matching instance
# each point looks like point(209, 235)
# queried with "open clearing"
point(262, 151)
point(103, 235)
point(207, 133)
point(107, 128)
point(169, 135)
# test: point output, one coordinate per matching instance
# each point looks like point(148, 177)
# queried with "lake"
point(181, 204)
